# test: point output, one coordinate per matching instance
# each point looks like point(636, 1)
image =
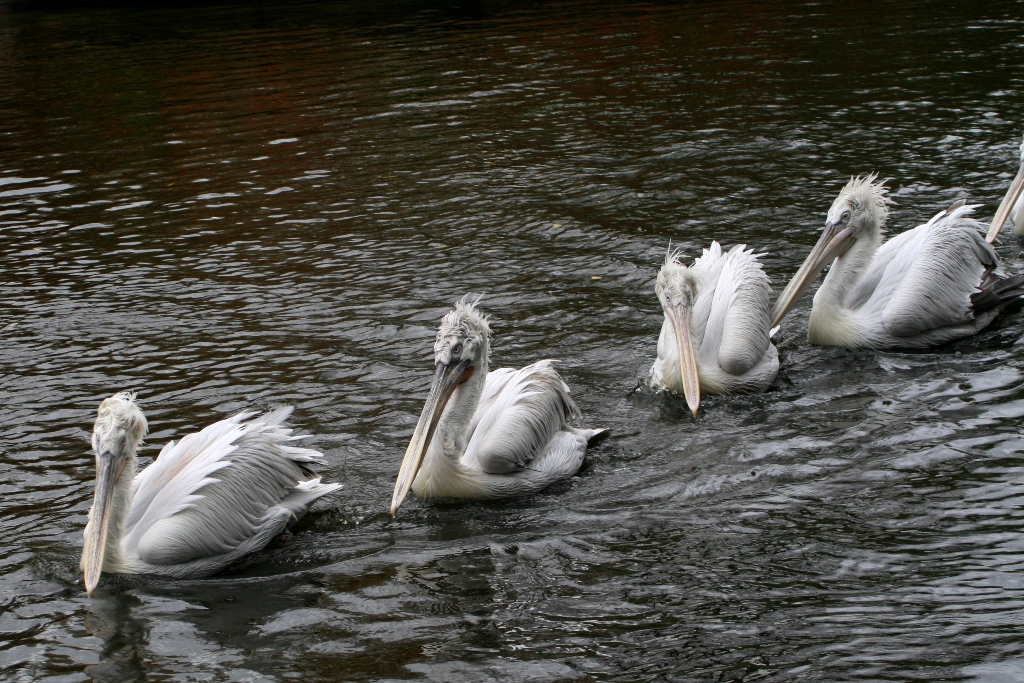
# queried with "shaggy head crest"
point(463, 333)
point(862, 198)
point(120, 425)
point(676, 283)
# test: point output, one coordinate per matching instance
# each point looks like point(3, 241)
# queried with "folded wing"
point(222, 492)
point(520, 413)
point(733, 308)
point(931, 283)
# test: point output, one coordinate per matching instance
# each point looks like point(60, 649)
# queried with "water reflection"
point(232, 207)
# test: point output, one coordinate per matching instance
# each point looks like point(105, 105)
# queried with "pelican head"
point(677, 290)
point(460, 349)
point(1008, 203)
point(120, 426)
point(859, 212)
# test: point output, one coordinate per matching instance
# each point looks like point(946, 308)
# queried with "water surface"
point(248, 206)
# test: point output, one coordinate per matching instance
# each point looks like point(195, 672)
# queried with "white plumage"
point(719, 307)
point(205, 501)
point(485, 435)
point(924, 287)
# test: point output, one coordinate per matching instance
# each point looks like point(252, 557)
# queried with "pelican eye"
point(845, 217)
point(456, 350)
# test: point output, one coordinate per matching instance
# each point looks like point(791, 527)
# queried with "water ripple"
point(222, 208)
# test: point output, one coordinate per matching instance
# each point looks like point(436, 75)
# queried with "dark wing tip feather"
point(995, 290)
point(597, 436)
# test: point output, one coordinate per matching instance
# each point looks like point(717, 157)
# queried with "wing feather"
point(742, 300)
point(707, 268)
point(887, 269)
point(167, 486)
point(519, 413)
point(215, 492)
point(940, 276)
point(731, 314)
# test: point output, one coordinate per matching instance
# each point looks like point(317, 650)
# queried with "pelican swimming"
point(715, 338)
point(924, 287)
point(1012, 205)
point(203, 503)
point(485, 435)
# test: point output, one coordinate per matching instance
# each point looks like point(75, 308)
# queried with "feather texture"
point(924, 287)
point(729, 325)
point(214, 496)
point(520, 411)
point(941, 270)
point(502, 433)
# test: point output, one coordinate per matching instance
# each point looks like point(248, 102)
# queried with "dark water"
point(250, 206)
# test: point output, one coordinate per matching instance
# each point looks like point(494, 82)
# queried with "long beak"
point(830, 245)
point(446, 378)
point(1016, 187)
point(680, 317)
point(107, 471)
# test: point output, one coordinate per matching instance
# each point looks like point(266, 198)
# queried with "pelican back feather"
point(940, 275)
point(519, 413)
point(744, 292)
point(222, 492)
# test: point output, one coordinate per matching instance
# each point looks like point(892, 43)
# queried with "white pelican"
point(924, 287)
point(492, 435)
point(715, 338)
point(203, 503)
point(1012, 205)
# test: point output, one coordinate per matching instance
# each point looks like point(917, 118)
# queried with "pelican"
point(486, 435)
point(1012, 205)
point(203, 503)
point(924, 287)
point(715, 337)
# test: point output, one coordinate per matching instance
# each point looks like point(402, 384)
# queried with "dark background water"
point(233, 206)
